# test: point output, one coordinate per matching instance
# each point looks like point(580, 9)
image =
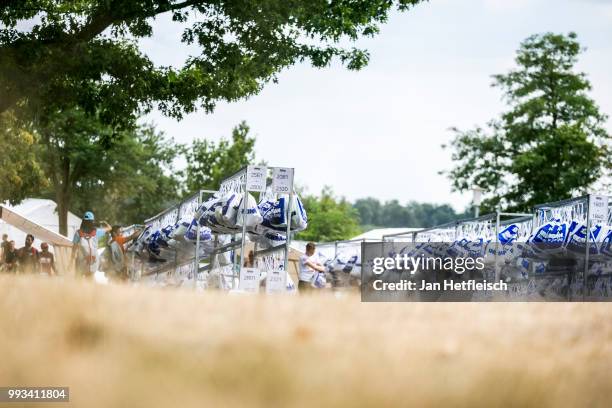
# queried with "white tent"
point(41, 212)
point(60, 244)
point(378, 233)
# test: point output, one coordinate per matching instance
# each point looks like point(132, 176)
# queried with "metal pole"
point(233, 255)
point(178, 218)
point(288, 238)
point(132, 270)
point(586, 256)
point(197, 250)
point(213, 260)
point(497, 216)
point(288, 219)
point(243, 238)
point(532, 268)
point(255, 263)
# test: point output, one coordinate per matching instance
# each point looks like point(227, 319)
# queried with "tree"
point(19, 168)
point(369, 210)
point(209, 163)
point(55, 55)
point(329, 218)
point(549, 145)
point(139, 183)
point(90, 167)
point(374, 214)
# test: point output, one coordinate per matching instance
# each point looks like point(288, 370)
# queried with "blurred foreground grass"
point(137, 347)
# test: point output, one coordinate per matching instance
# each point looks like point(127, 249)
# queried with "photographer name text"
point(448, 285)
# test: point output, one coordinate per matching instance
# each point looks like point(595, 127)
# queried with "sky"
point(378, 132)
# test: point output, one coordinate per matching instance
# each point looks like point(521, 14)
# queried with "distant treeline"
point(373, 213)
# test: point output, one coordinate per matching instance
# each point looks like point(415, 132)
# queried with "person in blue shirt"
point(85, 245)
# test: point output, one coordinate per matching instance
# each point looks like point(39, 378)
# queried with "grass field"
point(137, 347)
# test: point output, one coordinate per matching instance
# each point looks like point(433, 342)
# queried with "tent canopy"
point(28, 226)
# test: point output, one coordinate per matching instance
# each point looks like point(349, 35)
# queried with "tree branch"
point(102, 21)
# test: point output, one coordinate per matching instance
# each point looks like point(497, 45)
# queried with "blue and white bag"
point(605, 248)
point(299, 218)
point(192, 233)
point(318, 280)
point(253, 217)
point(508, 234)
point(274, 214)
point(550, 237)
point(576, 242)
point(226, 213)
point(180, 229)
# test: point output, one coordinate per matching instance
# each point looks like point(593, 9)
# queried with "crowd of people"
point(26, 259)
point(92, 236)
point(87, 240)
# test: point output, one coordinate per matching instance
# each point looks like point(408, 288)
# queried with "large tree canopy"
point(208, 163)
point(125, 181)
point(20, 171)
point(549, 145)
point(329, 218)
point(62, 54)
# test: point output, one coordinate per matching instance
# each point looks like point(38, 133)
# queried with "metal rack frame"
point(237, 183)
point(176, 213)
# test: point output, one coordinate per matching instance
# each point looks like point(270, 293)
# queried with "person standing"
point(10, 258)
point(310, 268)
point(85, 246)
point(117, 256)
point(121, 240)
point(4, 248)
point(250, 262)
point(28, 256)
point(46, 260)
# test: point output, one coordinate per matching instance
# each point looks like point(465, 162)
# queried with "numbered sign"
point(276, 282)
point(249, 280)
point(256, 178)
point(282, 180)
point(598, 209)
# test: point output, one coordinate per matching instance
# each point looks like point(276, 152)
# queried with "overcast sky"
point(377, 132)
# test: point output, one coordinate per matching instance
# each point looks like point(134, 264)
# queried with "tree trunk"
point(63, 196)
point(62, 212)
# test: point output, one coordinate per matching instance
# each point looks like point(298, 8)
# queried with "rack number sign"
point(598, 209)
point(256, 178)
point(282, 180)
point(249, 279)
point(276, 282)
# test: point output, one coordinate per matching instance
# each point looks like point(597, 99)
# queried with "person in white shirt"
point(309, 268)
point(85, 246)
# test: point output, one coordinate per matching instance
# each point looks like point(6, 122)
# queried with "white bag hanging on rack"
point(253, 217)
point(576, 241)
point(227, 212)
point(550, 237)
point(274, 213)
point(180, 229)
point(299, 219)
point(605, 248)
point(192, 233)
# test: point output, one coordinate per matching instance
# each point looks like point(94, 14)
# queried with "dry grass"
point(137, 347)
